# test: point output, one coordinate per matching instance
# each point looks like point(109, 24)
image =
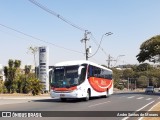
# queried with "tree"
point(27, 69)
point(142, 81)
point(144, 67)
point(12, 75)
point(33, 85)
point(116, 76)
point(128, 73)
point(6, 72)
point(2, 87)
point(17, 63)
point(150, 50)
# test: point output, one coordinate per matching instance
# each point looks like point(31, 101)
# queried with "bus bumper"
point(73, 94)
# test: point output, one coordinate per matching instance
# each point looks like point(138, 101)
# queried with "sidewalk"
point(24, 96)
point(20, 98)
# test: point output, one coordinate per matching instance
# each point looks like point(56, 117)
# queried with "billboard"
point(44, 66)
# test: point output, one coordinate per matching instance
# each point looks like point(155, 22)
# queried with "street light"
point(118, 58)
point(106, 34)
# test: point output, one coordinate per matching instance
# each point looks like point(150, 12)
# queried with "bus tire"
point(63, 99)
point(107, 93)
point(87, 96)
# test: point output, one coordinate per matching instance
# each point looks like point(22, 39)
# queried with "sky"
point(131, 21)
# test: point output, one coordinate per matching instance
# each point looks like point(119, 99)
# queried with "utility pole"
point(85, 39)
point(128, 83)
point(109, 60)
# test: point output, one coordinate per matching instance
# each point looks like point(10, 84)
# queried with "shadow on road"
point(95, 98)
point(67, 101)
point(58, 100)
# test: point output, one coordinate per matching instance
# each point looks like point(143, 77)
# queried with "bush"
point(121, 87)
point(3, 88)
point(34, 86)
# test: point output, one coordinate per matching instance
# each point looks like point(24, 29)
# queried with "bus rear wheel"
point(107, 93)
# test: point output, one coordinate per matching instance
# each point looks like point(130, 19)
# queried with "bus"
point(80, 79)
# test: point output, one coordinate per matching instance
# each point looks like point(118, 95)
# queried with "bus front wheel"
point(63, 99)
point(87, 96)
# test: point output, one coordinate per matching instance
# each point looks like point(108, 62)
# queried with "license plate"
point(62, 95)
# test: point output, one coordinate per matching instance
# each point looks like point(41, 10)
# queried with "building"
point(43, 67)
point(2, 77)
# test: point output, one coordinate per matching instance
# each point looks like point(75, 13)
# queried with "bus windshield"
point(65, 76)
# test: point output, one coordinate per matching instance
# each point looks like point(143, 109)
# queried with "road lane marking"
point(131, 97)
point(125, 118)
point(140, 97)
point(149, 99)
point(99, 104)
point(149, 110)
point(145, 106)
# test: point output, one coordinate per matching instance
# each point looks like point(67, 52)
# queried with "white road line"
point(125, 118)
point(99, 104)
point(145, 106)
point(131, 97)
point(149, 99)
point(140, 97)
point(149, 110)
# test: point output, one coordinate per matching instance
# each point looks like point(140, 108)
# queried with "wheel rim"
point(87, 97)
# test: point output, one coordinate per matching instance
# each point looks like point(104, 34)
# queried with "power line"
point(98, 45)
point(57, 15)
point(63, 19)
point(39, 39)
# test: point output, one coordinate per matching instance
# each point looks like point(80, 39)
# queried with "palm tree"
point(27, 69)
point(17, 63)
point(11, 73)
point(10, 63)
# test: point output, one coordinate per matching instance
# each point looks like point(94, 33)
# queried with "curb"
point(24, 98)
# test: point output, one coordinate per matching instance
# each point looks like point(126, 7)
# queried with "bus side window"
point(90, 71)
point(108, 75)
point(97, 72)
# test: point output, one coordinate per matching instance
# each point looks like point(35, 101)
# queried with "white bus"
point(80, 79)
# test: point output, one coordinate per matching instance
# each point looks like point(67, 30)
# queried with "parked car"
point(149, 89)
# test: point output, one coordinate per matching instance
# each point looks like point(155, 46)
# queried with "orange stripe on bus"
point(65, 89)
point(100, 84)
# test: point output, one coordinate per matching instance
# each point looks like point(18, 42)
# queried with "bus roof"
point(79, 62)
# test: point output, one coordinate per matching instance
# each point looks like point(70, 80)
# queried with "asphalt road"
point(116, 102)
